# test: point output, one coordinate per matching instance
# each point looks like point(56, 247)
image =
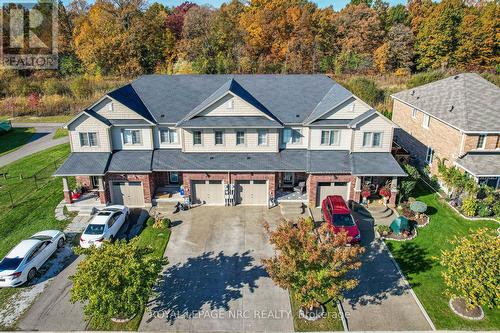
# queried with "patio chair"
point(300, 188)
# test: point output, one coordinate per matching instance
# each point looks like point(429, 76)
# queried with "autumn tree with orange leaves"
point(312, 263)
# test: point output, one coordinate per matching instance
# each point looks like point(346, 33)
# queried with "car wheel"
point(31, 274)
point(60, 243)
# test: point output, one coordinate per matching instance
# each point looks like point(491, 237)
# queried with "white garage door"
point(251, 192)
point(326, 189)
point(209, 192)
point(130, 194)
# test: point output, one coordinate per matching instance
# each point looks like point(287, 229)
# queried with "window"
point(292, 136)
point(131, 137)
point(173, 177)
point(196, 137)
point(94, 181)
point(372, 139)
point(88, 139)
point(219, 137)
point(240, 137)
point(168, 135)
point(425, 122)
point(481, 141)
point(262, 137)
point(367, 138)
point(414, 113)
point(376, 139)
point(429, 156)
point(288, 178)
point(330, 138)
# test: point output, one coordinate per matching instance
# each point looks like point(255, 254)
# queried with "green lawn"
point(331, 322)
point(34, 209)
point(60, 133)
point(14, 139)
point(419, 261)
point(158, 240)
point(47, 119)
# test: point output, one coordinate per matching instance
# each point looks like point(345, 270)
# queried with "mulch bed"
point(459, 306)
point(401, 237)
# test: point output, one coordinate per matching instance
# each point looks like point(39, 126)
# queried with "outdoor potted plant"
point(365, 194)
point(385, 193)
point(77, 193)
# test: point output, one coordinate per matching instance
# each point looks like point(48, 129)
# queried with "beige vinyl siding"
point(345, 137)
point(251, 141)
point(146, 138)
point(347, 110)
point(119, 111)
point(86, 124)
point(156, 139)
point(375, 123)
point(304, 143)
point(240, 108)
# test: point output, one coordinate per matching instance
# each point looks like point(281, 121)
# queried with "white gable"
point(231, 105)
point(350, 109)
point(112, 109)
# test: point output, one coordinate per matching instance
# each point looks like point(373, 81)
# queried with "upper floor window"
point(131, 136)
point(426, 120)
point(219, 137)
point(330, 137)
point(414, 113)
point(168, 135)
point(497, 146)
point(240, 137)
point(481, 141)
point(262, 137)
point(196, 137)
point(372, 139)
point(292, 135)
point(88, 139)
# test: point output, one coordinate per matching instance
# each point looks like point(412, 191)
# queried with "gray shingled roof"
point(382, 164)
point(131, 161)
point(217, 122)
point(290, 98)
point(334, 97)
point(481, 164)
point(93, 164)
point(328, 161)
point(465, 101)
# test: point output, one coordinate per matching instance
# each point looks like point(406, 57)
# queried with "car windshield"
point(94, 229)
point(8, 264)
point(343, 220)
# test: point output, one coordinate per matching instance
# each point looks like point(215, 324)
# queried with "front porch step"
point(292, 208)
point(85, 210)
point(379, 211)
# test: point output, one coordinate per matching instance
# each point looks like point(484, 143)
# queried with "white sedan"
point(104, 226)
point(23, 261)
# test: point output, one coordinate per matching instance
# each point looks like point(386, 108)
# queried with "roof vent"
point(418, 97)
point(162, 116)
point(297, 116)
point(451, 108)
point(248, 157)
point(211, 157)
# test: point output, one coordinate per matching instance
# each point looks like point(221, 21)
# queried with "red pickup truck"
point(339, 218)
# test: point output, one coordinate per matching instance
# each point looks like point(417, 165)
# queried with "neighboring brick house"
point(457, 119)
point(229, 139)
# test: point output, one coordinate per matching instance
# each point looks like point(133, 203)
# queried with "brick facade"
point(314, 179)
point(444, 139)
point(84, 181)
point(147, 180)
point(471, 141)
point(228, 178)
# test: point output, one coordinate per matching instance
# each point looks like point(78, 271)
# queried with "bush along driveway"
point(419, 260)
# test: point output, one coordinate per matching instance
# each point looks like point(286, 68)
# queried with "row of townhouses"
point(230, 140)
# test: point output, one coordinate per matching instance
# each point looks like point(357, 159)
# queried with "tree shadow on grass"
point(412, 258)
point(210, 280)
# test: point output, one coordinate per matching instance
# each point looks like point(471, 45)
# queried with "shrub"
point(115, 280)
point(472, 270)
point(470, 205)
point(424, 78)
point(496, 208)
point(53, 86)
point(367, 90)
point(383, 229)
point(402, 72)
point(484, 210)
point(80, 87)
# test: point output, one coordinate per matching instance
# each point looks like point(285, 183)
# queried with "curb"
point(405, 282)
point(340, 308)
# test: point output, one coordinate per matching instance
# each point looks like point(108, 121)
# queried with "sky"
point(337, 4)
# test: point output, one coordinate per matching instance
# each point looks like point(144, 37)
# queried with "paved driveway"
point(383, 300)
point(215, 281)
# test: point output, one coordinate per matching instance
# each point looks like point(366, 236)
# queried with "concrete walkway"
point(41, 140)
point(383, 300)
